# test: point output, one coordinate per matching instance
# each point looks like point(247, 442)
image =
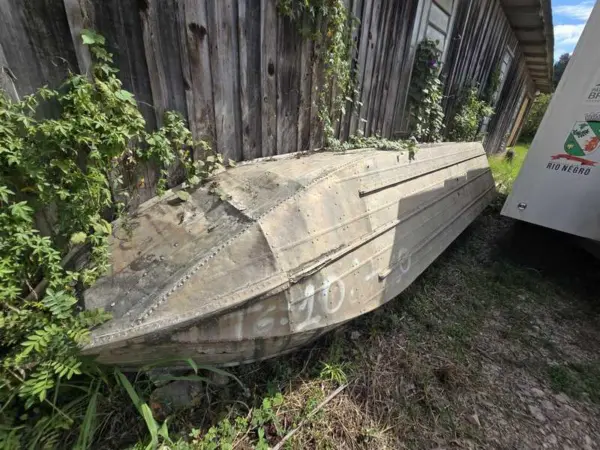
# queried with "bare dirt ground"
point(496, 345)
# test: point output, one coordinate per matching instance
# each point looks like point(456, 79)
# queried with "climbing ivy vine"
point(492, 86)
point(425, 94)
point(470, 112)
point(329, 25)
point(75, 171)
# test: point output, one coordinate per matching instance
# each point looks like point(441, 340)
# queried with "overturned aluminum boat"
point(302, 244)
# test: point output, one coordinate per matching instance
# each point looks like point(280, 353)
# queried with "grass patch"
point(505, 171)
point(578, 380)
point(496, 310)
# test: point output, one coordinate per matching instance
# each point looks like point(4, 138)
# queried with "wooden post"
point(7, 78)
point(79, 19)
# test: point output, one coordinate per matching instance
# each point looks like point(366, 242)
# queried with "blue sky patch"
point(569, 17)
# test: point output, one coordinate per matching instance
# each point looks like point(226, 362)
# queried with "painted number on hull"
point(331, 296)
point(404, 258)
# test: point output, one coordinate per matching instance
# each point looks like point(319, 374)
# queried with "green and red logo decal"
point(583, 140)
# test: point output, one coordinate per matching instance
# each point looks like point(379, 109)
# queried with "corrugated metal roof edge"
point(543, 10)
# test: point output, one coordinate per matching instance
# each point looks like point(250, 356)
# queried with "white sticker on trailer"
point(592, 96)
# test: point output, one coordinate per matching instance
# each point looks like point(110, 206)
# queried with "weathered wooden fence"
point(238, 70)
point(242, 74)
point(480, 41)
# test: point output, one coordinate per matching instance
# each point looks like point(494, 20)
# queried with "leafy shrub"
point(535, 116)
point(470, 112)
point(491, 88)
point(358, 141)
point(229, 433)
point(329, 24)
point(425, 94)
point(76, 168)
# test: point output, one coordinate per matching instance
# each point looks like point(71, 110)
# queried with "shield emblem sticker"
point(583, 139)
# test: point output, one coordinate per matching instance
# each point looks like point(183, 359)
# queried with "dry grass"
point(472, 355)
point(454, 362)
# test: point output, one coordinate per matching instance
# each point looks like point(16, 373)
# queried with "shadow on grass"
point(519, 296)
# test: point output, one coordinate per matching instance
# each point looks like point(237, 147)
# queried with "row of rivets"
point(195, 268)
point(123, 334)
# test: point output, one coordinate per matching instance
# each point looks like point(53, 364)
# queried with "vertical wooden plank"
point(305, 95)
point(363, 47)
point(250, 78)
point(115, 20)
point(491, 53)
point(317, 80)
point(119, 22)
point(39, 51)
point(462, 11)
point(357, 7)
point(169, 52)
point(7, 83)
point(160, 32)
point(268, 38)
point(457, 63)
point(186, 71)
point(197, 71)
point(288, 84)
point(335, 91)
point(490, 18)
point(380, 74)
point(471, 55)
point(414, 21)
point(150, 36)
point(222, 27)
point(397, 58)
point(76, 13)
point(373, 36)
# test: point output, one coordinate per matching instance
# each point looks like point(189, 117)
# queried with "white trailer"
point(559, 184)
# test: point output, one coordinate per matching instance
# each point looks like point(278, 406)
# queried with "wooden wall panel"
point(37, 43)
point(288, 86)
point(360, 67)
point(244, 77)
point(480, 38)
point(196, 69)
point(224, 60)
point(249, 33)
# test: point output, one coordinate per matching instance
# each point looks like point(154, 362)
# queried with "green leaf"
point(192, 364)
point(124, 95)
point(87, 429)
point(163, 431)
point(21, 211)
point(78, 238)
point(150, 423)
point(183, 195)
point(90, 37)
point(4, 193)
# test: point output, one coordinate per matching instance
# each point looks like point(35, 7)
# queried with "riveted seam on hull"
point(410, 164)
point(349, 221)
point(294, 278)
point(166, 292)
point(441, 230)
point(265, 285)
point(375, 187)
